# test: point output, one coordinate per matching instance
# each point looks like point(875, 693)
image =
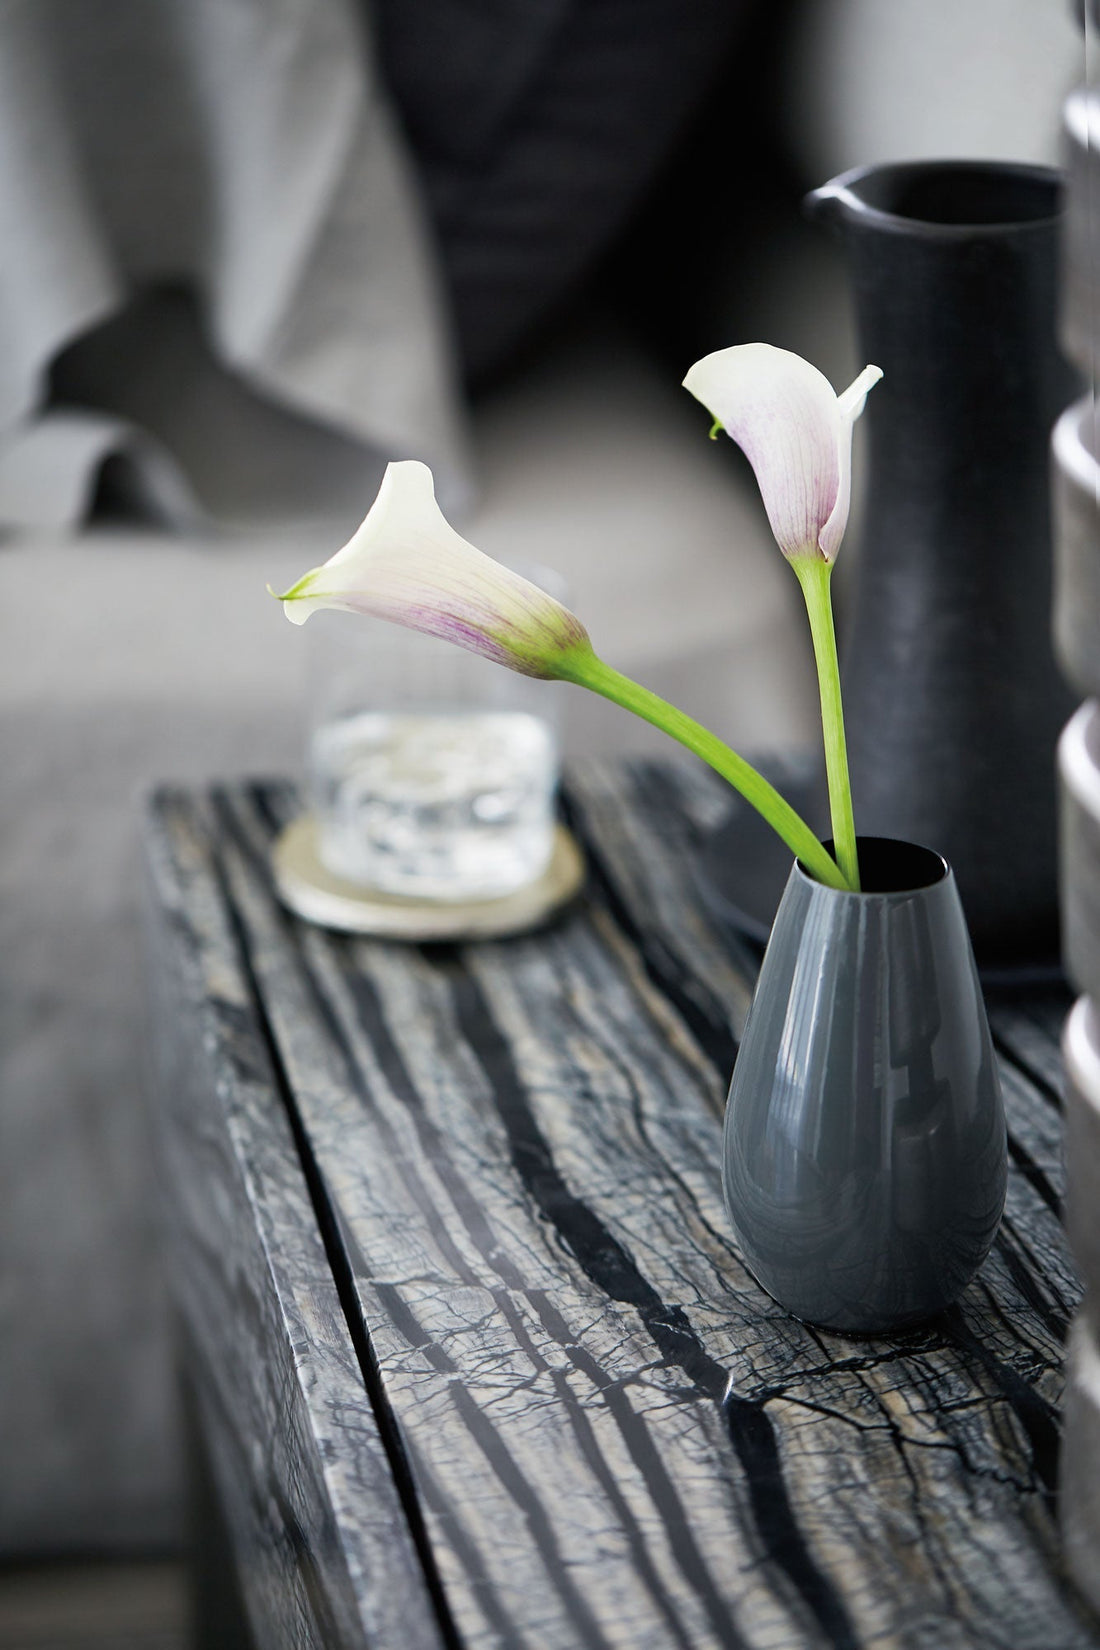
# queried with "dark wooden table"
point(472, 1356)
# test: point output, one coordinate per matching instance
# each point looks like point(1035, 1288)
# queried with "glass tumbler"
point(432, 771)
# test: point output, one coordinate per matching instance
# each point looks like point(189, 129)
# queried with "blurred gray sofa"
point(249, 267)
point(227, 312)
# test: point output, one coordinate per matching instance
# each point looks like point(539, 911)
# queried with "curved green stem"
point(584, 668)
point(814, 575)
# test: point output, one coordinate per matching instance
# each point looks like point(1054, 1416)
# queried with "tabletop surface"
point(449, 1219)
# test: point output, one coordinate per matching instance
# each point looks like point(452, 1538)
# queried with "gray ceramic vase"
point(865, 1136)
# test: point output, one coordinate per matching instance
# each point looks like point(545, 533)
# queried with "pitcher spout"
point(833, 204)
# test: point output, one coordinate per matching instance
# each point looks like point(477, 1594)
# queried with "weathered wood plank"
point(320, 1535)
point(1027, 1027)
point(617, 1438)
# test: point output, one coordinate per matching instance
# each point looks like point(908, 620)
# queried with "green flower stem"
point(582, 666)
point(814, 574)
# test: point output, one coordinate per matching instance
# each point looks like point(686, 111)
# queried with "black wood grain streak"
point(504, 1465)
point(261, 1332)
point(1053, 1313)
point(613, 1270)
point(1037, 1418)
point(710, 1030)
point(406, 1323)
point(330, 1233)
point(637, 1440)
point(1034, 1175)
point(525, 1496)
point(1040, 1083)
point(658, 791)
point(1052, 1008)
point(648, 1463)
point(633, 1432)
point(609, 1266)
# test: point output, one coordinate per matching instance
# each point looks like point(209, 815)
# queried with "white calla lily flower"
point(796, 433)
point(407, 564)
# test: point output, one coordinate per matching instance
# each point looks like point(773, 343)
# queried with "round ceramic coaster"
point(314, 893)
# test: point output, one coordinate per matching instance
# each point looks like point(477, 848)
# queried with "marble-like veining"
point(615, 1438)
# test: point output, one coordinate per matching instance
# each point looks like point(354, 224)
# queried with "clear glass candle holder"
point(432, 772)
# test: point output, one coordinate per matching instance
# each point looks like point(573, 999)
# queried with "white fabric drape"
point(241, 148)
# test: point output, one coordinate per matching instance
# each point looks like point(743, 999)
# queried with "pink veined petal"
point(407, 564)
point(783, 414)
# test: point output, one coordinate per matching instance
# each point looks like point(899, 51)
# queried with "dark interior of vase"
point(955, 194)
point(890, 867)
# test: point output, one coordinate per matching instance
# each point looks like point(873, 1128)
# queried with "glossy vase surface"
point(952, 697)
point(865, 1147)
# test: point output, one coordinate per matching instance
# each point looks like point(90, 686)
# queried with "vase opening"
point(960, 194)
point(887, 866)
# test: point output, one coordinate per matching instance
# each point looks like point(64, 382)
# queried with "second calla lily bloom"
point(406, 563)
point(796, 433)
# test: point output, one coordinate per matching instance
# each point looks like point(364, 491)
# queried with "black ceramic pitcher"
point(952, 698)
